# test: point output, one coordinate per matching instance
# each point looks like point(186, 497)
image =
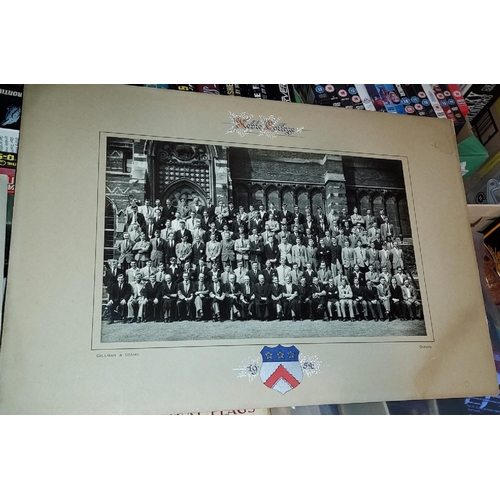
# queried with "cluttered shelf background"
point(475, 112)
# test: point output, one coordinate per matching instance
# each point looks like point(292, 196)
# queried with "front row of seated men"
point(147, 299)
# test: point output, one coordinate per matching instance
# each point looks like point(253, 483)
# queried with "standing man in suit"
point(112, 272)
point(242, 250)
point(227, 254)
point(282, 271)
point(169, 210)
point(125, 247)
point(397, 256)
point(387, 230)
point(271, 250)
point(184, 250)
point(157, 249)
point(142, 250)
point(299, 253)
point(131, 272)
point(256, 250)
point(198, 249)
point(118, 296)
point(147, 210)
point(135, 218)
point(347, 259)
point(286, 215)
point(213, 250)
point(324, 274)
point(240, 272)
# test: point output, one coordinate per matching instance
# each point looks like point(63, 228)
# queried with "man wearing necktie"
point(232, 291)
point(185, 294)
point(217, 295)
point(201, 292)
point(247, 298)
point(118, 296)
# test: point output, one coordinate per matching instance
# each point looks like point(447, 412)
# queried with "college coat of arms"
point(281, 369)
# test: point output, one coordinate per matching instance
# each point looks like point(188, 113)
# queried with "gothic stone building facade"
point(152, 170)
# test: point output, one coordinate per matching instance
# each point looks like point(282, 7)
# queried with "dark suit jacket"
point(268, 275)
point(370, 295)
point(262, 292)
point(169, 251)
point(227, 288)
point(140, 220)
point(331, 293)
point(303, 292)
point(186, 292)
point(117, 295)
point(254, 277)
point(152, 292)
point(245, 295)
point(270, 252)
point(178, 236)
point(167, 289)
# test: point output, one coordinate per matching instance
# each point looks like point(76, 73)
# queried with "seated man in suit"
point(332, 299)
point(317, 299)
point(247, 298)
point(185, 298)
point(233, 293)
point(290, 299)
point(118, 296)
point(345, 296)
point(384, 296)
point(135, 304)
point(370, 294)
point(201, 297)
point(413, 306)
point(168, 294)
point(152, 296)
point(358, 300)
point(218, 297)
point(304, 298)
point(262, 292)
point(276, 298)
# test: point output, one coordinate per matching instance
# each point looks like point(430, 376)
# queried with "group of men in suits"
point(208, 256)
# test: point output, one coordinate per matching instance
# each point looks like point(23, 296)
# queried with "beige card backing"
point(52, 359)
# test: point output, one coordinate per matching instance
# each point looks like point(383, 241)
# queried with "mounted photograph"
point(214, 242)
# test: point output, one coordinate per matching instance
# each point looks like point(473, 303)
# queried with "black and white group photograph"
point(213, 242)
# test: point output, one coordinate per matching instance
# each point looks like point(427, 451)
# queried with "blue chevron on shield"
point(281, 369)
